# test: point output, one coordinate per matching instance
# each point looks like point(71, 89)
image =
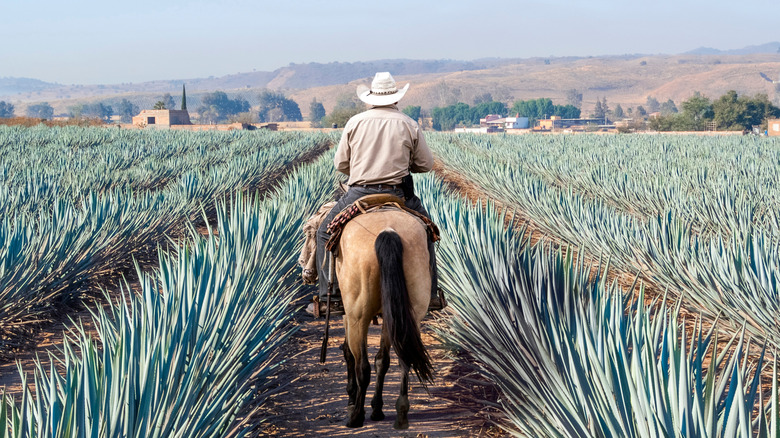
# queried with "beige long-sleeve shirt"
point(381, 146)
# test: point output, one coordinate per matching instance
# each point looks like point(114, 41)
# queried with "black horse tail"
point(400, 329)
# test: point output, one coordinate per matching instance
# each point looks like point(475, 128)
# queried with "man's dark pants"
point(353, 194)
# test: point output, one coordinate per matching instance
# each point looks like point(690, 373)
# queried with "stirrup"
point(318, 308)
point(438, 302)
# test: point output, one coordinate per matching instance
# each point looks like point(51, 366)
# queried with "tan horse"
point(383, 266)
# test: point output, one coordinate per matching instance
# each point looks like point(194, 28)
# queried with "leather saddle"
point(367, 204)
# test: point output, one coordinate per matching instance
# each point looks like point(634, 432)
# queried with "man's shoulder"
point(385, 113)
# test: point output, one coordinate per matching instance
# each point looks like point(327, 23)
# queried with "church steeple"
point(183, 98)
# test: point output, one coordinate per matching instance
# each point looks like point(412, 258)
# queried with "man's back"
point(380, 146)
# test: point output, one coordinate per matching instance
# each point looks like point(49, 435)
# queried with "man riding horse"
point(379, 148)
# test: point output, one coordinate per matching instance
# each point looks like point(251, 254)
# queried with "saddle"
point(371, 203)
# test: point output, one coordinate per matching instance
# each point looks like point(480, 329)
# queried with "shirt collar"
point(391, 106)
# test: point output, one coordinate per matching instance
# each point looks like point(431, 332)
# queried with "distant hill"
point(773, 47)
point(9, 86)
point(627, 80)
point(294, 76)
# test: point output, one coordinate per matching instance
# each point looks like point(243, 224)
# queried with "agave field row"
point(184, 356)
point(41, 166)
point(697, 216)
point(572, 356)
point(78, 203)
point(718, 184)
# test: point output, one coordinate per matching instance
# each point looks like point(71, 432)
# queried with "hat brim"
point(364, 94)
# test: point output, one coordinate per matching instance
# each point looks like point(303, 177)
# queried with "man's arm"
point(341, 159)
point(422, 157)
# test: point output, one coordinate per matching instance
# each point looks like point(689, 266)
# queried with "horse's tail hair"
point(400, 327)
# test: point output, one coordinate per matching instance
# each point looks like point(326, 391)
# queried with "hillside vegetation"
point(626, 80)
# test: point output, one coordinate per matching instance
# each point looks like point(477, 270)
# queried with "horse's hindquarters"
point(399, 285)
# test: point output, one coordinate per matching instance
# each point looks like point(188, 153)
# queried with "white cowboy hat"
point(383, 90)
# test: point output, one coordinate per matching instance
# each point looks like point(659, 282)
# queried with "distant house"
point(556, 122)
point(496, 123)
point(773, 127)
point(163, 118)
point(516, 123)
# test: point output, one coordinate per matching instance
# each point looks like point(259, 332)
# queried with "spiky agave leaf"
point(180, 359)
point(567, 357)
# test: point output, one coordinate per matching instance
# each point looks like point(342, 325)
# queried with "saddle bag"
point(308, 257)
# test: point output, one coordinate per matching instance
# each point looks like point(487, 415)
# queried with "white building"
point(516, 123)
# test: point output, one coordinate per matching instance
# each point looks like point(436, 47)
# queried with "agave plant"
point(700, 239)
point(189, 352)
point(572, 356)
point(79, 202)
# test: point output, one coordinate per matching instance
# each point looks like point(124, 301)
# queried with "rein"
point(331, 276)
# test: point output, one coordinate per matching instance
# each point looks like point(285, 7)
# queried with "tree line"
point(38, 110)
point(730, 112)
point(461, 114)
point(215, 107)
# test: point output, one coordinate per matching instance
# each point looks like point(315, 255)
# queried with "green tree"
point(668, 107)
point(697, 111)
point(248, 117)
point(461, 114)
point(618, 112)
point(413, 112)
point(40, 110)
point(728, 112)
point(98, 111)
point(159, 105)
point(536, 109)
point(91, 111)
point(759, 109)
point(168, 100)
point(600, 110)
point(316, 113)
point(126, 111)
point(275, 107)
point(217, 107)
point(448, 117)
point(209, 114)
point(652, 105)
point(661, 123)
point(347, 106)
point(339, 116)
point(183, 98)
point(483, 109)
point(6, 110)
point(733, 112)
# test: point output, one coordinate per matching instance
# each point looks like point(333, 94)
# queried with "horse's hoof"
point(401, 425)
point(355, 423)
point(377, 415)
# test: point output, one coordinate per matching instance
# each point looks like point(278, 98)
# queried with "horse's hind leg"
point(356, 342)
point(381, 363)
point(402, 404)
point(351, 382)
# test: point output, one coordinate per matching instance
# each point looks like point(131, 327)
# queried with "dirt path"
point(312, 399)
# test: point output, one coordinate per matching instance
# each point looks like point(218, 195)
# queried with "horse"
point(383, 266)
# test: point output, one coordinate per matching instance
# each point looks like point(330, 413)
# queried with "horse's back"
point(358, 269)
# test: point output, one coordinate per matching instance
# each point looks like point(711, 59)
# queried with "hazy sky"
point(88, 42)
